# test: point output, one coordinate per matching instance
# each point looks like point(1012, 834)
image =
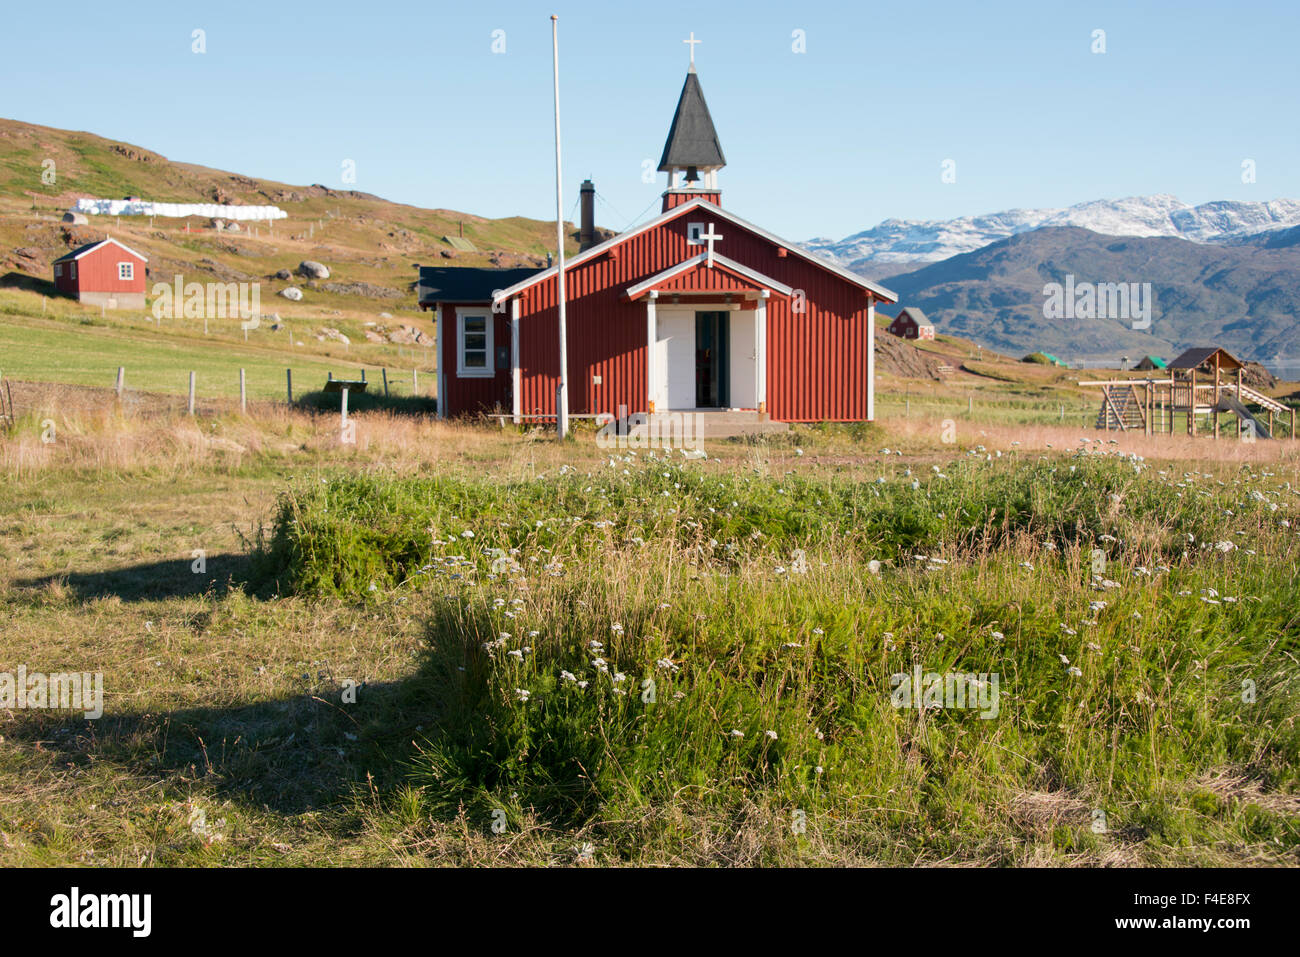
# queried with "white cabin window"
point(693, 231)
point(126, 271)
point(58, 270)
point(474, 343)
point(73, 267)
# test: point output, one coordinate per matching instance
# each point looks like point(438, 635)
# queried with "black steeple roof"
point(692, 140)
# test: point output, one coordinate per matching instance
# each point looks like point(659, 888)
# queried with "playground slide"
point(1229, 404)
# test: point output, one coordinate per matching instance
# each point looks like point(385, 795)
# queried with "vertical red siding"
point(673, 198)
point(816, 360)
point(470, 395)
point(97, 271)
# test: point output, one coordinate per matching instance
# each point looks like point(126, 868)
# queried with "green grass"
point(229, 692)
point(745, 650)
point(88, 354)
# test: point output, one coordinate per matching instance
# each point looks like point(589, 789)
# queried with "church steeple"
point(692, 154)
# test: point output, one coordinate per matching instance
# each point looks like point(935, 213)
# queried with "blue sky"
point(820, 143)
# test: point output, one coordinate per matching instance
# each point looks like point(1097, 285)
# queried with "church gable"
point(671, 240)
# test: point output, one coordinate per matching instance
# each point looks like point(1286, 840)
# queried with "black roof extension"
point(692, 140)
point(466, 283)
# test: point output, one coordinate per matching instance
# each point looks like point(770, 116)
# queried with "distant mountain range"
point(897, 244)
point(1244, 296)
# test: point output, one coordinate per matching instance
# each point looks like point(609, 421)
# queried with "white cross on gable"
point(709, 238)
point(692, 41)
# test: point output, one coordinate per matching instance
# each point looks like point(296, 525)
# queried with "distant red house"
point(696, 309)
point(911, 324)
point(103, 273)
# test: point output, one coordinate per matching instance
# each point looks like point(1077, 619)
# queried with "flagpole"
point(562, 394)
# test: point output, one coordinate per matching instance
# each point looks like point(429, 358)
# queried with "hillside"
point(1244, 297)
point(371, 245)
point(895, 243)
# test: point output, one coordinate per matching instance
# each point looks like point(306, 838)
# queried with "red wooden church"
point(696, 309)
point(103, 273)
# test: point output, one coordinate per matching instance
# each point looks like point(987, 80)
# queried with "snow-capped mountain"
point(916, 241)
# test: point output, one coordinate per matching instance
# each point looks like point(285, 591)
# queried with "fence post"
point(191, 393)
point(385, 372)
point(970, 405)
point(243, 395)
point(288, 384)
point(415, 382)
point(121, 380)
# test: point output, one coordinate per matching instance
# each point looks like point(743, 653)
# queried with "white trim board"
point(685, 265)
point(97, 245)
point(713, 210)
point(462, 371)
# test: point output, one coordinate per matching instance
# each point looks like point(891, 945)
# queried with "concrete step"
point(721, 425)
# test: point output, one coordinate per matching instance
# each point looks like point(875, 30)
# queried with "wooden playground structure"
point(1200, 383)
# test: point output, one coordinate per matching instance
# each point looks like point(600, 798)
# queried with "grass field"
point(353, 679)
point(74, 345)
point(450, 644)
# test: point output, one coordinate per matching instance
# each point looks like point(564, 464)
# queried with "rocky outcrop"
point(367, 289)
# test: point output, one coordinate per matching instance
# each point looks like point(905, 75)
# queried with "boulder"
point(313, 270)
point(283, 274)
point(291, 292)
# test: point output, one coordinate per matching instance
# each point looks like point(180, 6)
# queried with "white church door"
point(675, 360)
point(679, 374)
point(744, 361)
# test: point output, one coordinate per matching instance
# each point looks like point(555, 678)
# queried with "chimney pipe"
point(587, 232)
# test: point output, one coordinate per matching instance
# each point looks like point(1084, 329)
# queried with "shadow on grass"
point(329, 742)
point(19, 280)
point(290, 755)
point(412, 405)
point(156, 580)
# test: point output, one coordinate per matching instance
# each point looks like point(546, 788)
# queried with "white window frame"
point(489, 370)
point(73, 264)
point(58, 270)
point(693, 231)
point(130, 272)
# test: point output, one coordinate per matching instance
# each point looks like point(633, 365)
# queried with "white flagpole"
point(562, 396)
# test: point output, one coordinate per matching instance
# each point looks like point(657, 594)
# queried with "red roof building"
point(697, 309)
point(911, 324)
point(103, 273)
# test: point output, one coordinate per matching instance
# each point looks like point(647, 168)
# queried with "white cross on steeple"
point(709, 238)
point(692, 41)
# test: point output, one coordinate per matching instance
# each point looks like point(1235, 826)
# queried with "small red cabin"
point(911, 324)
point(103, 273)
